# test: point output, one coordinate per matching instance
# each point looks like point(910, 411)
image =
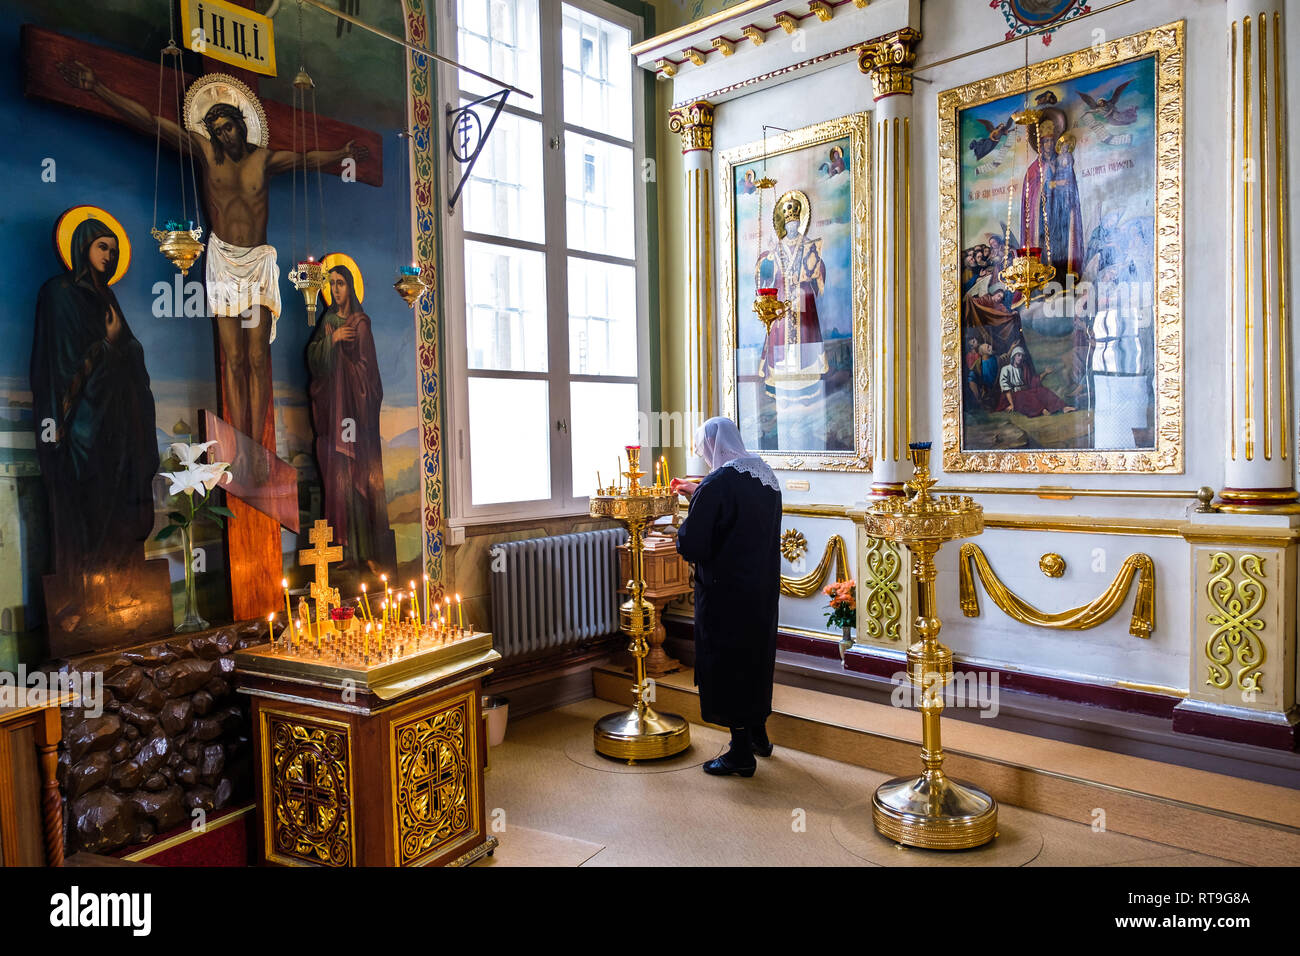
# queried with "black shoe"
point(728, 763)
point(758, 742)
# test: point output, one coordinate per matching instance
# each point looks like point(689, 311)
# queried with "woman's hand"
point(344, 333)
point(684, 488)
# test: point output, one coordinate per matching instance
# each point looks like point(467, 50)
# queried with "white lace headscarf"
point(719, 443)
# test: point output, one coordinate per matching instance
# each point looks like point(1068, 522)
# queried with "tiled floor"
point(798, 810)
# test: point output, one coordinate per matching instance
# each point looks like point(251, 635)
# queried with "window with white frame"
point(545, 260)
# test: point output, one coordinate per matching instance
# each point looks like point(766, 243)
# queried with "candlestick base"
point(934, 813)
point(641, 734)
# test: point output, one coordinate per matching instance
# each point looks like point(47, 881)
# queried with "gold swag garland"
point(1089, 615)
point(809, 584)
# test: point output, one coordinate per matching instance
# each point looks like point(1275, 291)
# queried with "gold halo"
point(805, 212)
point(343, 259)
point(74, 217)
point(213, 88)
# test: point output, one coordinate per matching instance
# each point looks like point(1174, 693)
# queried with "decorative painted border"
point(1166, 44)
point(855, 126)
point(428, 333)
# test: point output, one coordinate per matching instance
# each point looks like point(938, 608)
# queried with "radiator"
point(554, 592)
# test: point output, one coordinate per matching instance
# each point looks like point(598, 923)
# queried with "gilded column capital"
point(694, 122)
point(889, 60)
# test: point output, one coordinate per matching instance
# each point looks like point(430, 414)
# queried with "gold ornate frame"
point(855, 127)
point(1166, 43)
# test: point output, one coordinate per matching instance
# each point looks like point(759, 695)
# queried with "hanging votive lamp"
point(1027, 271)
point(766, 304)
point(179, 242)
point(308, 277)
point(179, 239)
point(409, 284)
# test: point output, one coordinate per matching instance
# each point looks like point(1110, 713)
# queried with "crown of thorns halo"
point(207, 91)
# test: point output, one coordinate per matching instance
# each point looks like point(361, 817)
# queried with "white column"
point(889, 60)
point(1261, 442)
point(695, 124)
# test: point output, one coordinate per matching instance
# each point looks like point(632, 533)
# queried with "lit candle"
point(663, 466)
point(415, 600)
point(388, 593)
point(460, 617)
point(270, 634)
point(366, 601)
point(447, 603)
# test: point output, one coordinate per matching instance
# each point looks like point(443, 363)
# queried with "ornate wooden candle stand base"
point(371, 766)
point(930, 811)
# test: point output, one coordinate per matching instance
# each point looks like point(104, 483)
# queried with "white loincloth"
point(240, 278)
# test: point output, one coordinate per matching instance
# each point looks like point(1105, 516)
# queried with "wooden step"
point(1234, 819)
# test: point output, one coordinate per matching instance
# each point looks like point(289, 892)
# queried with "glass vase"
point(193, 620)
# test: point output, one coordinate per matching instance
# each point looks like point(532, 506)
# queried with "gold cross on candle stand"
point(320, 535)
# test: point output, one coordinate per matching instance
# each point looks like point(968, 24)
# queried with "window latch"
point(562, 425)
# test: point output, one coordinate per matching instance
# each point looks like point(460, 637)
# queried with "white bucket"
point(495, 710)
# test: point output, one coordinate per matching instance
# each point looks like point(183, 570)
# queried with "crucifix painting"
point(243, 278)
point(239, 145)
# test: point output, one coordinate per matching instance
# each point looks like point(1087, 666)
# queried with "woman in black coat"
point(732, 536)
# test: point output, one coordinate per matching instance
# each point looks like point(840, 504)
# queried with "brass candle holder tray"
point(384, 679)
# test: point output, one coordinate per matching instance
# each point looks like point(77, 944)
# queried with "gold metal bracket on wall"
point(1081, 618)
point(810, 583)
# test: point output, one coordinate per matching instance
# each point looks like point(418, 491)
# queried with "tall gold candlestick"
point(641, 732)
point(932, 811)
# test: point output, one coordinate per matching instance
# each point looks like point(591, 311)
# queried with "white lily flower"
point(184, 482)
point(214, 474)
point(189, 455)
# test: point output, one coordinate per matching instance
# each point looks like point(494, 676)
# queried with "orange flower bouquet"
point(842, 612)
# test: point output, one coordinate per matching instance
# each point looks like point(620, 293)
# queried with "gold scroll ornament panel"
point(1165, 454)
point(1240, 617)
point(307, 782)
point(735, 312)
point(434, 757)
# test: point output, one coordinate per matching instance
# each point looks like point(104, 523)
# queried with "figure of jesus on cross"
point(242, 274)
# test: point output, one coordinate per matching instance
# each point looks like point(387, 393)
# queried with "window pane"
point(500, 38)
point(598, 185)
point(597, 74)
point(503, 196)
point(602, 318)
point(604, 417)
point(505, 304)
point(508, 425)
